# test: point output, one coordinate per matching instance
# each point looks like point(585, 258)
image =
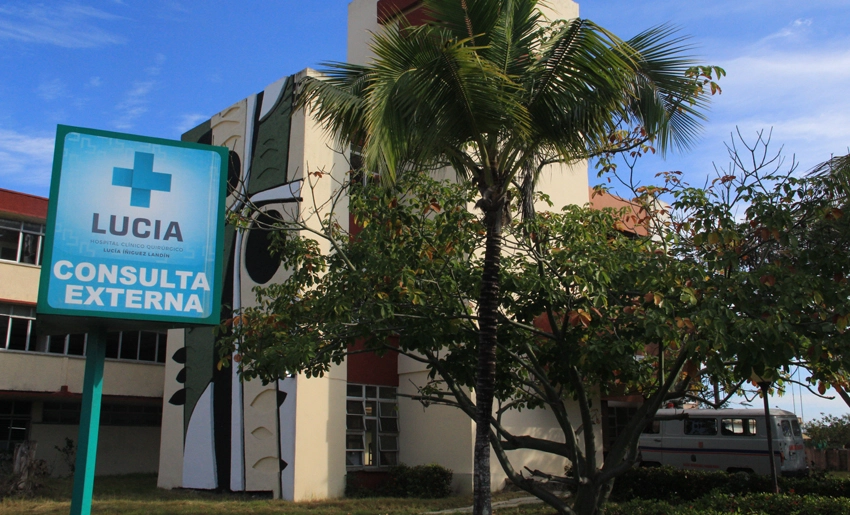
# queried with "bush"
point(422, 482)
point(670, 484)
point(755, 504)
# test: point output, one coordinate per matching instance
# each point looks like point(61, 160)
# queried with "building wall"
point(19, 282)
point(36, 377)
point(32, 372)
point(120, 450)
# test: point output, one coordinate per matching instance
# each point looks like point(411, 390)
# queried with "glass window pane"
point(29, 248)
point(354, 407)
point(354, 422)
point(4, 330)
point(112, 345)
point(22, 408)
point(389, 409)
point(795, 425)
point(389, 458)
point(6, 407)
point(130, 345)
point(354, 441)
point(57, 345)
point(18, 334)
point(147, 346)
point(9, 244)
point(786, 428)
point(77, 344)
point(371, 437)
point(387, 393)
point(354, 458)
point(18, 431)
point(389, 425)
point(389, 443)
point(701, 426)
point(371, 408)
point(354, 390)
point(371, 392)
point(162, 346)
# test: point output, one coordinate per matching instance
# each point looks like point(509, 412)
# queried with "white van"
point(734, 440)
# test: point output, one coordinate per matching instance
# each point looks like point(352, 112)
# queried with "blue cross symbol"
point(141, 179)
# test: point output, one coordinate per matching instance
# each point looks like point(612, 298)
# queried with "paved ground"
point(519, 501)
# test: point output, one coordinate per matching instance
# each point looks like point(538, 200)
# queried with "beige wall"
point(446, 436)
point(320, 436)
point(34, 372)
point(19, 282)
point(437, 434)
point(362, 22)
point(120, 450)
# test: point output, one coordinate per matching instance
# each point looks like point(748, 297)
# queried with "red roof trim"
point(23, 204)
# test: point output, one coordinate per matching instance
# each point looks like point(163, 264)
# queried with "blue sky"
point(158, 67)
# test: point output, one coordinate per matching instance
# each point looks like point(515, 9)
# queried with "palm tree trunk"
point(488, 303)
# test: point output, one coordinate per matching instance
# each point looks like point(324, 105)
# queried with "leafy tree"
point(829, 431)
point(582, 308)
point(495, 93)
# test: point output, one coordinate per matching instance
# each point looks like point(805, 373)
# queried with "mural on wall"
point(240, 436)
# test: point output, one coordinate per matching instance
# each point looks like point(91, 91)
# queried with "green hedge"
point(670, 484)
point(422, 481)
point(754, 504)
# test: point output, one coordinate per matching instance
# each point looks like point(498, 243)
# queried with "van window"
point(701, 426)
point(786, 428)
point(652, 428)
point(795, 425)
point(738, 426)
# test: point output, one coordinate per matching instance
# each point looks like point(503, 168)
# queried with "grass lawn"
point(137, 494)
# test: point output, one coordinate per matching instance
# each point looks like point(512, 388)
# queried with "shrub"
point(422, 481)
point(755, 504)
point(670, 484)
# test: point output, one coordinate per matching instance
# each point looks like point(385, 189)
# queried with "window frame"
point(42, 345)
point(22, 228)
point(383, 403)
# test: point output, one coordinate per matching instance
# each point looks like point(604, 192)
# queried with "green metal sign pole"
point(89, 423)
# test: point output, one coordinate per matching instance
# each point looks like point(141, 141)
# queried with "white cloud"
point(52, 90)
point(25, 159)
point(67, 25)
point(134, 105)
point(188, 121)
point(95, 82)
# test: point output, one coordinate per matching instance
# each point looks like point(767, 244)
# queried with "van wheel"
point(649, 464)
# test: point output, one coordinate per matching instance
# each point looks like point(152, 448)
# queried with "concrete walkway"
point(519, 501)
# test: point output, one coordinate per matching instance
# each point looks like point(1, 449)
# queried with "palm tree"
point(492, 91)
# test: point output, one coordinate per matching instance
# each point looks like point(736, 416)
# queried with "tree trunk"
point(486, 373)
point(591, 497)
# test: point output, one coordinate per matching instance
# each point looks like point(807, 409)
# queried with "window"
point(68, 413)
point(14, 423)
point(738, 426)
point(701, 426)
point(652, 428)
point(618, 419)
point(17, 332)
point(371, 424)
point(786, 428)
point(21, 241)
